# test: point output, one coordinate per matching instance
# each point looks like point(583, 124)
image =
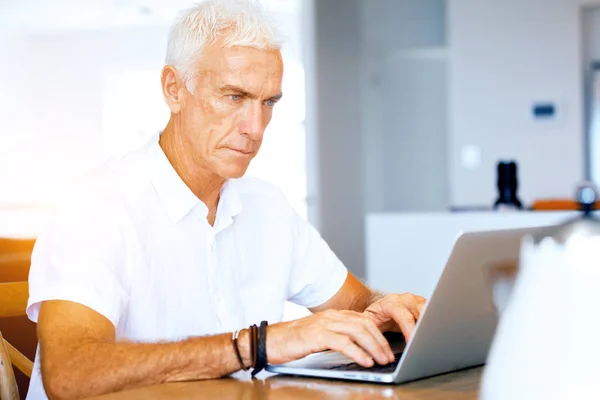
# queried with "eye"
point(271, 103)
point(235, 97)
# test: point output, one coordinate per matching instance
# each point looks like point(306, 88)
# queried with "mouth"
point(243, 152)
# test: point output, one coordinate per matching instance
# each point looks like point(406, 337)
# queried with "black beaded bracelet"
point(261, 349)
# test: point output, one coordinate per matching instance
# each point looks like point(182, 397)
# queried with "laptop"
point(456, 326)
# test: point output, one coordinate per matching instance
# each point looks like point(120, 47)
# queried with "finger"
point(414, 304)
point(355, 329)
point(421, 306)
point(374, 330)
point(345, 345)
point(405, 320)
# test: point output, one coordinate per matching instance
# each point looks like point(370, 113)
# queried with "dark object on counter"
point(507, 186)
point(587, 197)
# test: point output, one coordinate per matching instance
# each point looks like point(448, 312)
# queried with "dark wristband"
point(261, 349)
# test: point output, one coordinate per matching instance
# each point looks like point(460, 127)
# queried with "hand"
point(396, 312)
point(351, 333)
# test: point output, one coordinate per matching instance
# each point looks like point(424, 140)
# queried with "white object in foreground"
point(547, 343)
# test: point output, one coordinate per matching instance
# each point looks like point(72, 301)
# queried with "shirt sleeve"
point(77, 259)
point(317, 273)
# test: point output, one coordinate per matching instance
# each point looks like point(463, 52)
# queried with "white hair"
point(237, 22)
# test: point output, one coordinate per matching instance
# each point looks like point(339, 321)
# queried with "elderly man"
point(165, 263)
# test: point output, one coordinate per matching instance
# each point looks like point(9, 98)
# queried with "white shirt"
point(133, 244)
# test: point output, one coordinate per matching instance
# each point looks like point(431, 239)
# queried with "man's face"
point(222, 123)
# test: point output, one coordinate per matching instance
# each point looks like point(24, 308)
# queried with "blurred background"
point(389, 106)
point(395, 115)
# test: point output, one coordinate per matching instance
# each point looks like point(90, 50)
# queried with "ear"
point(172, 87)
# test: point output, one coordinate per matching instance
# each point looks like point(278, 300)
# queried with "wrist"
point(279, 338)
point(273, 347)
point(374, 298)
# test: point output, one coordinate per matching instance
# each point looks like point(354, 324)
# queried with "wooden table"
point(460, 385)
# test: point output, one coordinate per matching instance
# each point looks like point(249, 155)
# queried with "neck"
point(203, 183)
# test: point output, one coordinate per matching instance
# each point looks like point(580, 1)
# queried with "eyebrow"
point(245, 93)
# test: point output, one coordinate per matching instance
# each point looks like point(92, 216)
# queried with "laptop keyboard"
point(389, 368)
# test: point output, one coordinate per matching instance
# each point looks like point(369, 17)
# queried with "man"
point(143, 274)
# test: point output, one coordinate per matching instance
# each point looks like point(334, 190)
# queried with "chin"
point(233, 172)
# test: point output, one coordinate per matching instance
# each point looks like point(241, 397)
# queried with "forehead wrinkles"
point(241, 64)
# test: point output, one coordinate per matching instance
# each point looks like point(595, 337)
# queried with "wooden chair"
point(15, 259)
point(13, 301)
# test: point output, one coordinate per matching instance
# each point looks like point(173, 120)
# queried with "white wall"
point(591, 56)
point(52, 127)
point(340, 193)
point(371, 157)
point(505, 56)
point(403, 105)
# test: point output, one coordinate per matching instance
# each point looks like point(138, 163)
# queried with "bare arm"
point(354, 295)
point(80, 358)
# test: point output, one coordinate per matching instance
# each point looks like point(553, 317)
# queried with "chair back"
point(13, 301)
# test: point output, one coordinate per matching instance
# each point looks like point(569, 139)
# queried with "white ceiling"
point(53, 15)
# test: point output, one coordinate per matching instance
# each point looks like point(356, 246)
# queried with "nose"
point(253, 123)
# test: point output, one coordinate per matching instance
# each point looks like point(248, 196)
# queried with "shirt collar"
point(230, 205)
point(177, 197)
